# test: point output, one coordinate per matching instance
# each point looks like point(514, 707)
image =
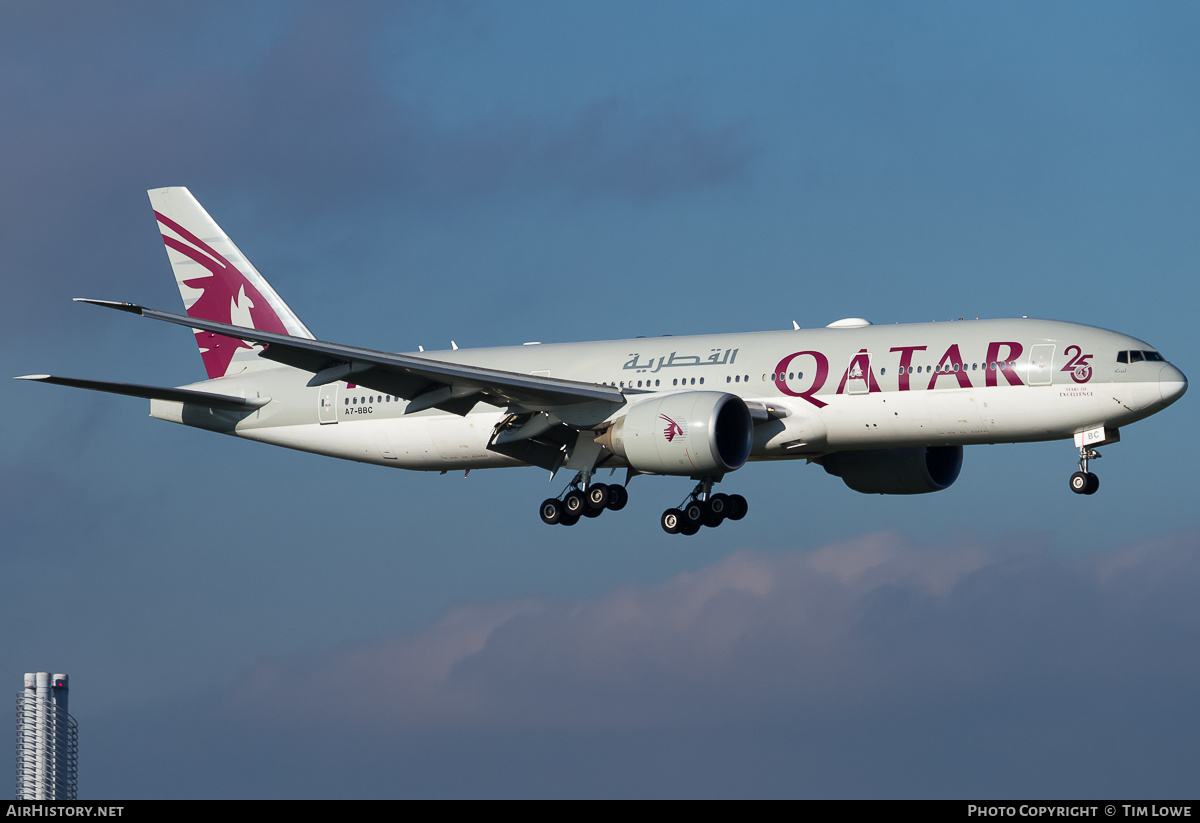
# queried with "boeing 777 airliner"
point(887, 409)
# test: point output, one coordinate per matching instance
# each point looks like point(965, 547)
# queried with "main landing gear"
point(582, 499)
point(1083, 481)
point(703, 508)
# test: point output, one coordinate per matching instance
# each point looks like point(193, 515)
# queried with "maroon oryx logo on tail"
point(221, 288)
point(672, 430)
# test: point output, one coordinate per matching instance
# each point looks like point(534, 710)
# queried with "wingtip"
point(132, 308)
point(32, 377)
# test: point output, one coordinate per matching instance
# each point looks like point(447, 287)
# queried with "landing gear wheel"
point(597, 497)
point(551, 512)
point(590, 512)
point(671, 520)
point(575, 503)
point(617, 497)
point(737, 507)
point(1083, 481)
point(1080, 483)
point(714, 512)
point(694, 514)
point(569, 519)
point(688, 528)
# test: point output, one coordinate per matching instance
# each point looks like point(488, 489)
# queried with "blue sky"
point(273, 624)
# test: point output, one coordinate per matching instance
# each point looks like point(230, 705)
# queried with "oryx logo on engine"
point(672, 430)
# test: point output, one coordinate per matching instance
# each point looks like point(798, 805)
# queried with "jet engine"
point(897, 471)
point(694, 434)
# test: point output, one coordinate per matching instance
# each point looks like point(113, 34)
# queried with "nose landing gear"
point(1083, 481)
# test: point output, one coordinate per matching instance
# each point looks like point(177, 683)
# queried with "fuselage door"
point(858, 375)
point(327, 403)
point(1041, 364)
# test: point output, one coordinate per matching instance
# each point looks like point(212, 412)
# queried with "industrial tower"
point(47, 740)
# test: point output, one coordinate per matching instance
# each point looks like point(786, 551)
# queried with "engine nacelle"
point(695, 433)
point(897, 471)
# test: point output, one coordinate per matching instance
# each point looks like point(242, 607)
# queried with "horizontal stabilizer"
point(199, 398)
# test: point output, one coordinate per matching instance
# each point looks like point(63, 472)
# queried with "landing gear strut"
point(582, 498)
point(703, 508)
point(1083, 481)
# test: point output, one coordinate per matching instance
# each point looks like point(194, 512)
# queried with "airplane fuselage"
point(832, 389)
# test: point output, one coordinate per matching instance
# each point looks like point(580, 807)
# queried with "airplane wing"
point(426, 383)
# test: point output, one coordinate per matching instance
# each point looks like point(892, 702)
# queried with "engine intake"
point(696, 433)
point(897, 471)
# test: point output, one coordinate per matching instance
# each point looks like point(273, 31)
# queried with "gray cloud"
point(300, 108)
point(870, 625)
point(867, 668)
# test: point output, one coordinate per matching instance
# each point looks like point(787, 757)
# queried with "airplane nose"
point(1171, 383)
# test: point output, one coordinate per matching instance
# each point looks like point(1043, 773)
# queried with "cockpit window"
point(1139, 356)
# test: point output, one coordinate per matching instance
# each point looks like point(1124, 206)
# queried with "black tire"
point(1093, 484)
point(1079, 483)
point(552, 512)
point(695, 513)
point(718, 510)
point(575, 503)
point(737, 507)
point(617, 497)
point(569, 519)
point(688, 528)
point(671, 520)
point(597, 497)
point(589, 512)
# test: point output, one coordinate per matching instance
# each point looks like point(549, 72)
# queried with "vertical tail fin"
point(218, 283)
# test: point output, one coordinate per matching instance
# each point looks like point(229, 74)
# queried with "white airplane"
point(887, 409)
